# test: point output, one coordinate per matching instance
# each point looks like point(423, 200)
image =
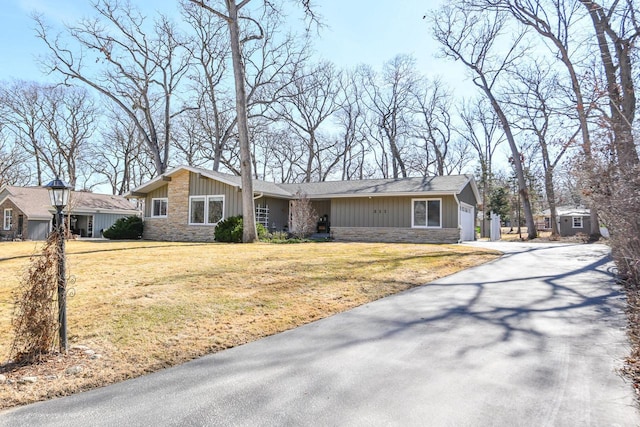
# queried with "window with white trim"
point(159, 207)
point(426, 213)
point(206, 210)
point(8, 219)
point(577, 221)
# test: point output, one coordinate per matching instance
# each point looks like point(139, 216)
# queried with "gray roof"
point(35, 204)
point(267, 188)
point(259, 186)
point(452, 184)
point(568, 211)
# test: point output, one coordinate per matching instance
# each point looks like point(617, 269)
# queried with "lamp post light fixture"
point(59, 195)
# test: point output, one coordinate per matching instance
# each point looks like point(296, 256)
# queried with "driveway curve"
point(534, 338)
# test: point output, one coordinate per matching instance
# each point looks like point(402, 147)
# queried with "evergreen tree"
point(499, 202)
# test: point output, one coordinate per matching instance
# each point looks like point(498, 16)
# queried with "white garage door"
point(467, 222)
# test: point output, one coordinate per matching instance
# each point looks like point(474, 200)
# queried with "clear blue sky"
point(358, 31)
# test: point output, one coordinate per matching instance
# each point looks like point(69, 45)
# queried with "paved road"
point(532, 339)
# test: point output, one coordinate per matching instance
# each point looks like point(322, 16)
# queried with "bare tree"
point(433, 125)
point(13, 170)
point(272, 64)
point(303, 218)
point(618, 71)
point(471, 38)
point(614, 180)
point(20, 107)
point(189, 140)
point(229, 12)
point(53, 124)
point(280, 154)
point(481, 129)
point(138, 69)
point(69, 116)
point(117, 157)
point(306, 104)
point(390, 100)
point(534, 96)
point(350, 119)
point(557, 21)
point(211, 126)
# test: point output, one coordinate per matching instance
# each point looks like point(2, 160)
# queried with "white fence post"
point(495, 227)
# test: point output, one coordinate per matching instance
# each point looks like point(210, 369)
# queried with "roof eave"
point(388, 194)
point(105, 211)
point(261, 194)
point(157, 182)
point(39, 218)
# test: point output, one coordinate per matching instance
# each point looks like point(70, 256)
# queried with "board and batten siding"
point(278, 212)
point(565, 223)
point(102, 221)
point(386, 211)
point(201, 186)
point(158, 193)
point(322, 207)
point(467, 196)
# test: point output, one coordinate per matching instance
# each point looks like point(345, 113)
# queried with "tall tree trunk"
point(534, 16)
point(249, 233)
point(36, 156)
point(594, 231)
point(551, 197)
point(523, 189)
point(622, 100)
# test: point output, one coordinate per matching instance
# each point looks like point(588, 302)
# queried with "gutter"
point(455, 196)
point(370, 195)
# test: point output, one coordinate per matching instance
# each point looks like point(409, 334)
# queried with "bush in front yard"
point(229, 230)
point(125, 228)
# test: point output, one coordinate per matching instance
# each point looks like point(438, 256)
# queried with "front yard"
point(136, 307)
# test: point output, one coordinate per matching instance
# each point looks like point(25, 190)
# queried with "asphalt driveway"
point(532, 339)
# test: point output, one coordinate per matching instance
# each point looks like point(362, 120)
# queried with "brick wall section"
point(175, 227)
point(13, 233)
point(396, 235)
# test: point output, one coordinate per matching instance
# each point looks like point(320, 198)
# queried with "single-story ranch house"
point(571, 220)
point(185, 204)
point(27, 212)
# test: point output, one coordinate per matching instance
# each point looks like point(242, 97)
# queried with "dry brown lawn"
point(511, 235)
point(136, 307)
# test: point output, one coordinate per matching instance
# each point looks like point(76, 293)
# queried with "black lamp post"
point(59, 195)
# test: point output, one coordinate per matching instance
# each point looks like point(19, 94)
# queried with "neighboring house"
point(27, 212)
point(571, 220)
point(185, 204)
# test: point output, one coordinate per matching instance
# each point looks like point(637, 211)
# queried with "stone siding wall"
point(396, 235)
point(175, 227)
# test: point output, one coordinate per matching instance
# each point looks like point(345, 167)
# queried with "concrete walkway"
point(532, 339)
